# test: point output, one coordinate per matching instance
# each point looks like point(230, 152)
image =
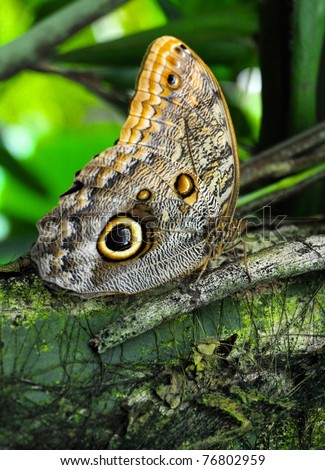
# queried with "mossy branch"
point(242, 366)
point(22, 292)
point(279, 262)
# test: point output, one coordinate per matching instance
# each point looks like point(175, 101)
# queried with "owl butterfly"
point(160, 202)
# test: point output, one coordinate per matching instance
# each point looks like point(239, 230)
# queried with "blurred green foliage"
point(52, 121)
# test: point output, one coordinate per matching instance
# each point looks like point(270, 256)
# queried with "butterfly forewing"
point(190, 118)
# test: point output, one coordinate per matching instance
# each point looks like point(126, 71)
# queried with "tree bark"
point(232, 360)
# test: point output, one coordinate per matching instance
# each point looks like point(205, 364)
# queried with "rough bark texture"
point(245, 370)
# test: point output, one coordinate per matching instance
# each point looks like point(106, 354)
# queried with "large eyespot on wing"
point(121, 239)
point(126, 237)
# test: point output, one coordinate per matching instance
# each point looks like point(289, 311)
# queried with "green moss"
point(240, 370)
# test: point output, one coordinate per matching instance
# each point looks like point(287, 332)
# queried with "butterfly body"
point(144, 211)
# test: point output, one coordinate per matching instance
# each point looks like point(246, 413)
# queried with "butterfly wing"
point(138, 214)
point(178, 105)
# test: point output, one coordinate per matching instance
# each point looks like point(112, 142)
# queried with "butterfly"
point(161, 202)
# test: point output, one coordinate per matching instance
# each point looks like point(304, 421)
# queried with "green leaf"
point(308, 32)
point(216, 38)
point(289, 182)
point(19, 172)
point(20, 201)
point(55, 161)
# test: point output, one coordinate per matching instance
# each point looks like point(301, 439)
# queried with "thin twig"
point(294, 154)
point(248, 204)
point(89, 80)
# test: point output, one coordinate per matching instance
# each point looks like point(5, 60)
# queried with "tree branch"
point(129, 316)
point(298, 152)
point(242, 366)
point(282, 261)
point(280, 190)
point(91, 81)
point(39, 42)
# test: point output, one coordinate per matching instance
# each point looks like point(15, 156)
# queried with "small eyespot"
point(77, 185)
point(181, 49)
point(184, 185)
point(144, 195)
point(173, 80)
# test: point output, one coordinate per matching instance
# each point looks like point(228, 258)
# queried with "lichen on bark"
point(242, 370)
